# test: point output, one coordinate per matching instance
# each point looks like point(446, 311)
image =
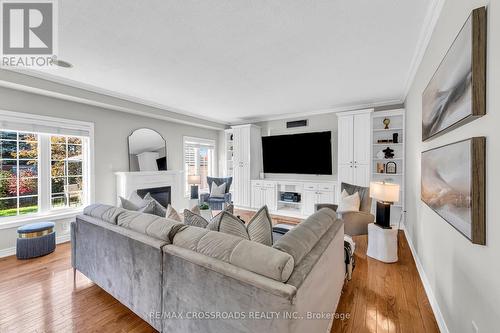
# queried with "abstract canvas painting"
point(453, 185)
point(456, 94)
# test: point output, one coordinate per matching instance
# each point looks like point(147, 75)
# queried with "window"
point(18, 173)
point(41, 172)
point(66, 154)
point(199, 160)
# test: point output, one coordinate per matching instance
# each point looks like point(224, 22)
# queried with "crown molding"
point(335, 109)
point(430, 21)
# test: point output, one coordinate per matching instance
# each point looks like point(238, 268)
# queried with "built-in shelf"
point(387, 130)
point(388, 159)
point(289, 202)
point(397, 125)
point(388, 144)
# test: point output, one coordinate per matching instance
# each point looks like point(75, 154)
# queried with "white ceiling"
point(241, 60)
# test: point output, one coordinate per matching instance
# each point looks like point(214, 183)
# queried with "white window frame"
point(46, 126)
point(201, 141)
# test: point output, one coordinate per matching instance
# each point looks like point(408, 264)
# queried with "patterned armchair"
point(217, 203)
point(355, 223)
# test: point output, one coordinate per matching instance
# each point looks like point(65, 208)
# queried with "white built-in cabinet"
point(247, 162)
point(268, 192)
point(317, 193)
point(264, 194)
point(354, 147)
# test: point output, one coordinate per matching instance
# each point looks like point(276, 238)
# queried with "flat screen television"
point(305, 153)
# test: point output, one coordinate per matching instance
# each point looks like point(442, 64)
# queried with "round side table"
point(382, 243)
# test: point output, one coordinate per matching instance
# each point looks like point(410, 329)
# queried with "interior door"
point(345, 139)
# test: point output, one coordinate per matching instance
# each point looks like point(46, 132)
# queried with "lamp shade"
point(385, 192)
point(193, 180)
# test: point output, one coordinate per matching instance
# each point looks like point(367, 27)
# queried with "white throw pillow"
point(349, 203)
point(217, 191)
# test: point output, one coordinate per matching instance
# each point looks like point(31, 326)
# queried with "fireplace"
point(165, 186)
point(160, 194)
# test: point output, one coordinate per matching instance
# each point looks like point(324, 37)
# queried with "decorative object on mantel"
point(386, 194)
point(390, 167)
point(395, 137)
point(380, 167)
point(453, 185)
point(386, 122)
point(456, 94)
point(388, 152)
point(147, 150)
point(380, 154)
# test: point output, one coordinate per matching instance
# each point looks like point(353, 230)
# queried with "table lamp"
point(386, 194)
point(194, 181)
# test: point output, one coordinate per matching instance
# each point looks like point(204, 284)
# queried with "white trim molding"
point(427, 286)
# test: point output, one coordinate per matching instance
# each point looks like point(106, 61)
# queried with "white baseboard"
point(10, 251)
point(427, 286)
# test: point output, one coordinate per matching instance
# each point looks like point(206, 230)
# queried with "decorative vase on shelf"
point(395, 137)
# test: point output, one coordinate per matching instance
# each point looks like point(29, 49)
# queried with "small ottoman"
point(35, 240)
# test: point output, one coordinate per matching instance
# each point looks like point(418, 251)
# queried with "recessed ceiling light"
point(62, 63)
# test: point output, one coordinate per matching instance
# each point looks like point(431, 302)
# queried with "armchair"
point(355, 223)
point(217, 203)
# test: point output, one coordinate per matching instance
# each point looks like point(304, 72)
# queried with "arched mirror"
point(147, 150)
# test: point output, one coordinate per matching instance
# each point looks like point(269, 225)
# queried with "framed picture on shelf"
point(390, 167)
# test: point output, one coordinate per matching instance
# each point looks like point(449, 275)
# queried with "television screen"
point(306, 153)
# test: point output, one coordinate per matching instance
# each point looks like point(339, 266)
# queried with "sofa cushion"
point(106, 213)
point(148, 224)
point(252, 256)
point(299, 241)
point(134, 202)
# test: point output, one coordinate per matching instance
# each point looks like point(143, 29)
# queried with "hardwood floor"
point(38, 295)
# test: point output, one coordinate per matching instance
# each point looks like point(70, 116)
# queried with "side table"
point(382, 243)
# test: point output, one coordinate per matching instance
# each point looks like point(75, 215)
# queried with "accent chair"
point(217, 203)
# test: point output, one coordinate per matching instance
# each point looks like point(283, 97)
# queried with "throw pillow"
point(217, 191)
point(259, 228)
point(148, 209)
point(194, 218)
point(134, 202)
point(172, 214)
point(349, 203)
point(158, 210)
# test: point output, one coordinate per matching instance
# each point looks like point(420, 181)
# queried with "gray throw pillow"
point(193, 217)
point(158, 210)
point(172, 214)
point(134, 202)
point(148, 209)
point(217, 191)
point(259, 229)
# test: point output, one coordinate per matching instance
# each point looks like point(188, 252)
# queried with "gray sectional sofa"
point(182, 278)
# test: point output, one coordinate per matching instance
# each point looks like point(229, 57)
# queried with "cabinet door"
point(362, 138)
point(270, 198)
point(362, 175)
point(256, 196)
point(326, 197)
point(345, 140)
point(345, 173)
point(309, 198)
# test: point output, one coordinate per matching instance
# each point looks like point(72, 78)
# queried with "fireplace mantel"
point(127, 182)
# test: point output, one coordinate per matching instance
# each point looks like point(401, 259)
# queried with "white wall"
point(110, 138)
point(316, 123)
point(464, 278)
